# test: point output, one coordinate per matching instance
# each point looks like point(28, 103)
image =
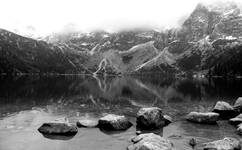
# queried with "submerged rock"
point(114, 122)
point(58, 128)
point(150, 141)
point(224, 109)
point(150, 118)
point(237, 120)
point(238, 104)
point(206, 118)
point(224, 144)
point(87, 123)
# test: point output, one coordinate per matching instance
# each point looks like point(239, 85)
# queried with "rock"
point(168, 119)
point(193, 142)
point(237, 120)
point(224, 109)
point(150, 118)
point(224, 144)
point(239, 129)
point(238, 104)
point(114, 122)
point(58, 128)
point(206, 118)
point(138, 132)
point(150, 141)
point(87, 123)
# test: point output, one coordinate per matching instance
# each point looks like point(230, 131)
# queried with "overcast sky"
point(45, 16)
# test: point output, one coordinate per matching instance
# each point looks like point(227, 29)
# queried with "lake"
point(28, 101)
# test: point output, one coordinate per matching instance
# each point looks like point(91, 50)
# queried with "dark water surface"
point(27, 102)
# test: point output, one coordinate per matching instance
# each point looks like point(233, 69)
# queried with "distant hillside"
point(24, 55)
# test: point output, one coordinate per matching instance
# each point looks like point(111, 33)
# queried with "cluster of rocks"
point(147, 119)
point(63, 127)
point(221, 110)
point(150, 119)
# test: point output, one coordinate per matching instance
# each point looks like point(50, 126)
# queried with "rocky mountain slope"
point(209, 41)
point(25, 55)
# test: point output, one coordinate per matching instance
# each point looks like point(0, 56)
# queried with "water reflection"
point(27, 102)
point(57, 137)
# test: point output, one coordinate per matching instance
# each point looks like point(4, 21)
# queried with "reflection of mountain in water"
point(115, 93)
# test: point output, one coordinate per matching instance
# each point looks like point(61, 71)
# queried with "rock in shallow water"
point(225, 110)
point(193, 142)
point(114, 122)
point(238, 104)
point(150, 141)
point(239, 129)
point(58, 128)
point(224, 144)
point(206, 118)
point(87, 123)
point(150, 118)
point(237, 120)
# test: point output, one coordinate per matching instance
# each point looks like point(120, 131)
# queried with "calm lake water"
point(27, 102)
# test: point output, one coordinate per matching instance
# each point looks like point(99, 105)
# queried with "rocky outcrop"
point(218, 20)
point(198, 25)
point(162, 63)
point(237, 120)
point(224, 144)
point(138, 55)
point(62, 128)
point(106, 68)
point(230, 24)
point(113, 122)
point(224, 109)
point(150, 118)
point(87, 123)
point(150, 141)
point(206, 118)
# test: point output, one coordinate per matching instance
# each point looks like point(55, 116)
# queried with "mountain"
point(24, 55)
point(216, 20)
point(126, 61)
point(209, 41)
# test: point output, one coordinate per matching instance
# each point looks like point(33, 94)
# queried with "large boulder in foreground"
point(58, 128)
point(205, 118)
point(224, 144)
point(238, 104)
point(150, 141)
point(87, 123)
point(237, 120)
point(114, 122)
point(150, 118)
point(225, 110)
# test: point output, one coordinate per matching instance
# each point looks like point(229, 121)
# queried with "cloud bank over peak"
point(43, 17)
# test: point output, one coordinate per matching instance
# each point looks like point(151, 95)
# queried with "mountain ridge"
point(206, 42)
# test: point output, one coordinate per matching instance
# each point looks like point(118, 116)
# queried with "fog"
point(42, 17)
